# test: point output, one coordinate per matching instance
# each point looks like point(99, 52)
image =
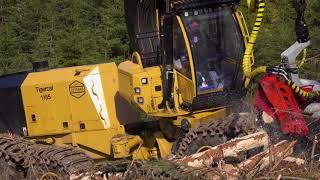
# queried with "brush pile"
point(247, 157)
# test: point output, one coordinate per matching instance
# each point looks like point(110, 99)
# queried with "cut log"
point(229, 149)
point(231, 172)
point(291, 163)
point(275, 154)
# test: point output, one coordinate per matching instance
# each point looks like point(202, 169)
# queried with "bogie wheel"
point(50, 176)
point(200, 139)
point(213, 133)
point(35, 161)
point(43, 173)
point(59, 163)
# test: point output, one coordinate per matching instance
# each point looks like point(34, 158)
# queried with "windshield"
point(217, 47)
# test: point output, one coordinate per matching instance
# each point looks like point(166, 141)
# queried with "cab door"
point(183, 62)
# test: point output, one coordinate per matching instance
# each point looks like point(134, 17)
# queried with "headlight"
point(137, 90)
point(140, 100)
point(144, 80)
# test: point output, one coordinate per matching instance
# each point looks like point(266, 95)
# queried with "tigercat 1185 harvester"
point(191, 64)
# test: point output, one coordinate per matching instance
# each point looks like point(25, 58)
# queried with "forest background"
point(77, 32)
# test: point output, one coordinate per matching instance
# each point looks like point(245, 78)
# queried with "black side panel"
point(125, 112)
point(12, 117)
point(218, 99)
point(141, 22)
point(187, 4)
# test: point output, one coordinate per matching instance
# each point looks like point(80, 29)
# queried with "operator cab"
point(215, 44)
point(198, 46)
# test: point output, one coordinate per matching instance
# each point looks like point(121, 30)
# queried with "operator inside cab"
point(216, 45)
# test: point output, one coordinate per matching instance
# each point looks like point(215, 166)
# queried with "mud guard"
point(164, 146)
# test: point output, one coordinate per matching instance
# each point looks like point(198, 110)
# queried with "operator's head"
point(194, 25)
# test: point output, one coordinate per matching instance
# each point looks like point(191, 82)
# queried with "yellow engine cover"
point(82, 101)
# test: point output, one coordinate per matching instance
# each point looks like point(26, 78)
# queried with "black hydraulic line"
point(302, 31)
point(189, 4)
point(167, 54)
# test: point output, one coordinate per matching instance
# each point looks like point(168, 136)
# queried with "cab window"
point(181, 59)
point(217, 47)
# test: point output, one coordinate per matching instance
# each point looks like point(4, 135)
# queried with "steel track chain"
point(230, 127)
point(29, 157)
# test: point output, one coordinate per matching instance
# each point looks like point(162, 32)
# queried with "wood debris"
point(229, 149)
point(275, 154)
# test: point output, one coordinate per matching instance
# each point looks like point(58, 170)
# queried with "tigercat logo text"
point(44, 89)
point(77, 89)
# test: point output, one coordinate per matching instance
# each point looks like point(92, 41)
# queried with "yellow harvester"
point(186, 71)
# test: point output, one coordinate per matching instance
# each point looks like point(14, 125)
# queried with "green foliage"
point(278, 33)
point(68, 33)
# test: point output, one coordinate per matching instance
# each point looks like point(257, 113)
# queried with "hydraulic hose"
point(302, 33)
point(304, 58)
point(259, 70)
point(301, 92)
point(295, 88)
point(248, 73)
point(247, 63)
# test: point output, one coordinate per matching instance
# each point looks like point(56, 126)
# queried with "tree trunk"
point(229, 149)
point(275, 154)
